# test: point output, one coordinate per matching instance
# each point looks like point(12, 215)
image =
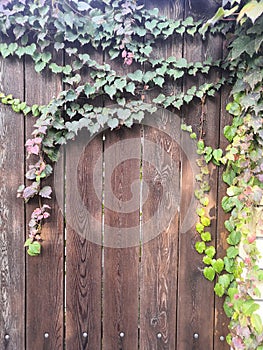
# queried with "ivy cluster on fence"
point(126, 32)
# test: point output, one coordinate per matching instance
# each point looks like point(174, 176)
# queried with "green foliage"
point(44, 33)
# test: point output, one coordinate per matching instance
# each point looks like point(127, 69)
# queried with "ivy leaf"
point(200, 247)
point(137, 75)
point(83, 6)
point(219, 290)
point(34, 249)
point(205, 221)
point(39, 66)
point(224, 280)
point(210, 251)
point(232, 252)
point(218, 265)
point(45, 192)
point(257, 323)
point(149, 76)
point(159, 99)
point(55, 68)
point(130, 87)
point(206, 236)
point(253, 10)
point(110, 90)
point(113, 123)
point(249, 307)
point(209, 273)
point(234, 238)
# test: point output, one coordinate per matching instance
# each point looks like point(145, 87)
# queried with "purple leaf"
point(45, 192)
point(238, 344)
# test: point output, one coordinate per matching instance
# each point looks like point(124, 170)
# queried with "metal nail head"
point(196, 335)
point(7, 337)
point(222, 338)
point(85, 334)
point(159, 335)
point(46, 335)
point(122, 334)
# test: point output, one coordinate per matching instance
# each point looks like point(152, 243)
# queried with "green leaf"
point(199, 227)
point(249, 307)
point(146, 50)
point(217, 154)
point(89, 90)
point(234, 238)
point(34, 249)
point(210, 251)
point(110, 90)
point(39, 66)
point(200, 247)
point(149, 76)
point(206, 236)
point(67, 69)
point(207, 260)
point(137, 75)
point(159, 99)
point(113, 123)
point(257, 323)
point(253, 10)
point(209, 273)
point(219, 290)
point(205, 221)
point(232, 252)
point(140, 31)
point(218, 265)
point(55, 68)
point(130, 87)
point(224, 280)
point(159, 81)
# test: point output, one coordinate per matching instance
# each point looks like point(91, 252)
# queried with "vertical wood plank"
point(196, 297)
point(120, 280)
point(158, 285)
point(159, 256)
point(84, 245)
point(221, 320)
point(12, 257)
point(83, 258)
point(44, 281)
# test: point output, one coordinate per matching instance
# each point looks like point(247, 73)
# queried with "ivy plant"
point(127, 32)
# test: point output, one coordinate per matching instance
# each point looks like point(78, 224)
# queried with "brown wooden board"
point(83, 238)
point(12, 257)
point(83, 256)
point(121, 238)
point(44, 280)
point(221, 320)
point(161, 170)
point(196, 297)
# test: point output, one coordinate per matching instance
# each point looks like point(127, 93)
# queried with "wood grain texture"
point(158, 279)
point(83, 258)
point(196, 296)
point(84, 235)
point(12, 257)
point(221, 320)
point(120, 278)
point(44, 281)
point(159, 256)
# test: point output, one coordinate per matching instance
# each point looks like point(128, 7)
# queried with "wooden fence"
point(80, 294)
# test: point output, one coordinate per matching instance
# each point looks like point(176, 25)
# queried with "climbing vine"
point(60, 35)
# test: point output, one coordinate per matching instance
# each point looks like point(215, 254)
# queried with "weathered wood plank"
point(158, 285)
point(84, 237)
point(196, 297)
point(44, 280)
point(121, 238)
point(83, 258)
point(221, 320)
point(12, 257)
point(160, 221)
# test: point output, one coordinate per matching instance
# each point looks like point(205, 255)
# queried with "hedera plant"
point(127, 32)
